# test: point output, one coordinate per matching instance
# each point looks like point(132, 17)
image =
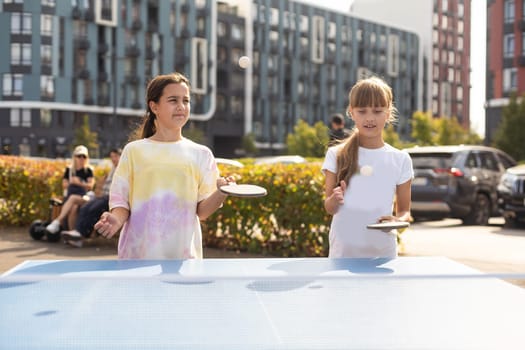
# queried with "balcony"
point(132, 51)
point(136, 105)
point(132, 79)
point(81, 43)
point(76, 13)
point(83, 74)
point(103, 48)
point(103, 100)
point(103, 76)
point(136, 24)
point(149, 53)
point(89, 15)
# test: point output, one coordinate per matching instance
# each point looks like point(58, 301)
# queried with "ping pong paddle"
point(388, 225)
point(244, 190)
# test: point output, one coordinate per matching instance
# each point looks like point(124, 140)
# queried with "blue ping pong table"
point(301, 303)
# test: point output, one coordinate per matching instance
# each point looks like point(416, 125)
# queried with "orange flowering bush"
point(25, 188)
point(26, 185)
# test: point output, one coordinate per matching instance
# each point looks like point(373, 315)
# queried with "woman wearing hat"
point(78, 180)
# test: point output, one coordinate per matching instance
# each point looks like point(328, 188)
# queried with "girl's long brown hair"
point(370, 92)
point(154, 91)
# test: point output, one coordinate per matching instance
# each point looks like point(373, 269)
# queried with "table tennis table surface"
point(296, 303)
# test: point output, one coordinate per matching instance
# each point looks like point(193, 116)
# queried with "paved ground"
point(16, 246)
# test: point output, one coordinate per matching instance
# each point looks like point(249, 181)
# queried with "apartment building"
point(443, 27)
point(505, 58)
point(76, 59)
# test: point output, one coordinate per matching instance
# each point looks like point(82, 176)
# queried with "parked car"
point(286, 159)
point(457, 181)
point(230, 162)
point(511, 191)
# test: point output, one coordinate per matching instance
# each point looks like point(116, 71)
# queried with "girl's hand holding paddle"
point(224, 181)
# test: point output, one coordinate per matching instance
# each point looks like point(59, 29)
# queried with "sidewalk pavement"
point(16, 246)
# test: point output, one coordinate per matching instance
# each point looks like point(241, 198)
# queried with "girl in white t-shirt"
point(364, 175)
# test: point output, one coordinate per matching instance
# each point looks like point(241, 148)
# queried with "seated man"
point(90, 212)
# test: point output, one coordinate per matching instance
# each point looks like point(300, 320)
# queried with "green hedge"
point(289, 221)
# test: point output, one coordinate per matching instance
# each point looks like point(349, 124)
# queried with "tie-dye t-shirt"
point(160, 183)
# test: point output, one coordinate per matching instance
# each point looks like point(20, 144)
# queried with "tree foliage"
point(84, 136)
point(308, 141)
point(440, 131)
point(422, 128)
point(509, 136)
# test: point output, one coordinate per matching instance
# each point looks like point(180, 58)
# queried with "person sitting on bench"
point(78, 182)
point(90, 212)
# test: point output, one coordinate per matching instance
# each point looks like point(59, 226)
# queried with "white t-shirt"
point(365, 200)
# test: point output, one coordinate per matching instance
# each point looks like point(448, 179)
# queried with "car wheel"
point(480, 211)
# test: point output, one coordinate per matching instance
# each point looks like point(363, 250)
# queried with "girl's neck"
point(167, 136)
point(371, 143)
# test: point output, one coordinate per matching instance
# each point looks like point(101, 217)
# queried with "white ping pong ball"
point(366, 170)
point(244, 62)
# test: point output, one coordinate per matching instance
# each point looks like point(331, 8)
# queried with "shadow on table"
point(301, 272)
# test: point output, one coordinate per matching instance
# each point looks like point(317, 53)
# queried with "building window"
point(446, 99)
point(221, 29)
point(21, 54)
point(510, 79)
point(13, 84)
point(47, 86)
point(435, 72)
point(20, 118)
point(444, 22)
point(444, 5)
point(523, 42)
point(46, 25)
point(106, 12)
point(50, 3)
point(199, 66)
point(461, 10)
point(509, 11)
point(45, 54)
point(459, 93)
point(237, 33)
point(460, 44)
point(318, 39)
point(21, 23)
point(508, 45)
point(393, 55)
point(45, 118)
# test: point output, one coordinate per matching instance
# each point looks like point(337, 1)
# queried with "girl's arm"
point(111, 222)
point(333, 194)
point(402, 204)
point(209, 205)
point(403, 195)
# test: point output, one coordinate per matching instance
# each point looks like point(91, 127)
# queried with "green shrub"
point(289, 221)
point(25, 188)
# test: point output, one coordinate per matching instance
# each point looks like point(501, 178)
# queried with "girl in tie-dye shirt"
point(164, 183)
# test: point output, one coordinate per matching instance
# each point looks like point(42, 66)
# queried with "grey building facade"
point(76, 59)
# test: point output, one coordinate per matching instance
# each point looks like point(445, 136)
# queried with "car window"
point(472, 161)
point(506, 161)
point(488, 161)
point(431, 160)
